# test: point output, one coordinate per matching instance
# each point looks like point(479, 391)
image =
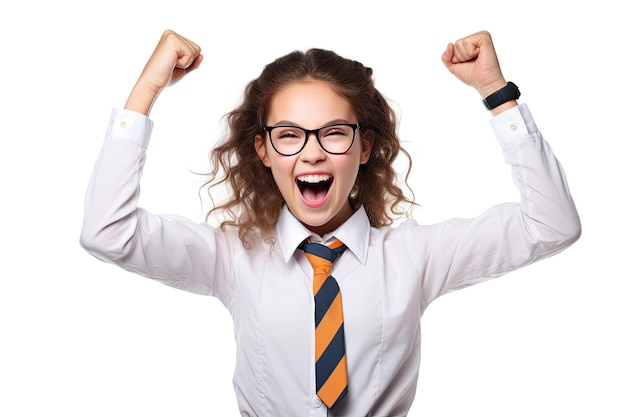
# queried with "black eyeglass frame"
point(307, 134)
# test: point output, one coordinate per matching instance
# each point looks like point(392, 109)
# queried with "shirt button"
point(318, 402)
point(123, 124)
point(513, 127)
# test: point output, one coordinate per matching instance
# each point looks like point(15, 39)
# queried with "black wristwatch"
point(506, 93)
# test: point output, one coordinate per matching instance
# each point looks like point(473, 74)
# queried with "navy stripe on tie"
point(325, 297)
point(327, 363)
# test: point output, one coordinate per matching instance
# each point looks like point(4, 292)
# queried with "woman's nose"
point(312, 151)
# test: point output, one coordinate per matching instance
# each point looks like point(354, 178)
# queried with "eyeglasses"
point(335, 139)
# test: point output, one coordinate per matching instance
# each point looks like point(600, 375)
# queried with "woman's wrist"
point(141, 98)
point(491, 88)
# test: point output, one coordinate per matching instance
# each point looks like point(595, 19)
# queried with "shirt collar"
point(354, 233)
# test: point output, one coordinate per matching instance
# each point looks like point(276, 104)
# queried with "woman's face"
point(315, 185)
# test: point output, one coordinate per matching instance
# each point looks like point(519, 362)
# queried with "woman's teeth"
point(314, 179)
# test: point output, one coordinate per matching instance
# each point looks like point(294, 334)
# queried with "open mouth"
point(314, 188)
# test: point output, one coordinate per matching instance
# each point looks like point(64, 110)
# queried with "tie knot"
point(321, 258)
point(328, 253)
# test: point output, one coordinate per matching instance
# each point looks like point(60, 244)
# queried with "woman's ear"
point(367, 143)
point(261, 150)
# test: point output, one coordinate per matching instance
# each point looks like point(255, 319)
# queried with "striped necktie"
point(331, 375)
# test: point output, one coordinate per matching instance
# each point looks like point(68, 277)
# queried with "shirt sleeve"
point(463, 252)
point(171, 249)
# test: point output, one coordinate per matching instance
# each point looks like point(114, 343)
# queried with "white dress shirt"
point(388, 276)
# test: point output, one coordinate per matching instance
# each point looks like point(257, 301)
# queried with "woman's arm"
point(462, 252)
point(171, 249)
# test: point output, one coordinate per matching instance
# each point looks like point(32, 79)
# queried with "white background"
point(79, 337)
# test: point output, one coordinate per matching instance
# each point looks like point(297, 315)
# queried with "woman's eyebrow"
point(294, 124)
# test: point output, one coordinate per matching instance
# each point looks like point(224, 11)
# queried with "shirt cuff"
point(513, 124)
point(131, 126)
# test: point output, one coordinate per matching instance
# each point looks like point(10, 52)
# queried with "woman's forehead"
point(309, 103)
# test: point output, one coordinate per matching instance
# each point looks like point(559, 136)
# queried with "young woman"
point(308, 162)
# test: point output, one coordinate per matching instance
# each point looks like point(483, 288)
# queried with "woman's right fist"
point(172, 59)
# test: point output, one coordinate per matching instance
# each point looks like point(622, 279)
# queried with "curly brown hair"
point(254, 201)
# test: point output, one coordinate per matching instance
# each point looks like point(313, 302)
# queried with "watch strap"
point(506, 93)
